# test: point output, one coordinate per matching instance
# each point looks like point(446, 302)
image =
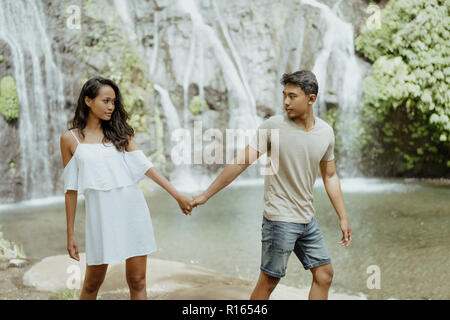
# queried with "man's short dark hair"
point(305, 79)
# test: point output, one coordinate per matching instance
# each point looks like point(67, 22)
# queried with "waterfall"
point(335, 65)
point(244, 113)
point(338, 55)
point(182, 177)
point(173, 121)
point(40, 89)
point(228, 51)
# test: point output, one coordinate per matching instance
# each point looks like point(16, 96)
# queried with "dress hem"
point(121, 260)
point(83, 191)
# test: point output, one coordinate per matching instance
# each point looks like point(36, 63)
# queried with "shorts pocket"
point(266, 231)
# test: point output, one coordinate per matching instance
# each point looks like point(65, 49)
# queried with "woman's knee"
point(93, 283)
point(136, 282)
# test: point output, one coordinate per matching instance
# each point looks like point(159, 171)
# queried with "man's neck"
point(306, 122)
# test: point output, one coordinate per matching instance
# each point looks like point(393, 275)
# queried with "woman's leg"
point(92, 281)
point(136, 268)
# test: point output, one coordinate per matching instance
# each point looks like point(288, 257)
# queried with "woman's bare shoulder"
point(67, 139)
point(132, 146)
point(66, 135)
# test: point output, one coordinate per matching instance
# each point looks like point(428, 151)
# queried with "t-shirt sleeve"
point(261, 140)
point(329, 154)
point(137, 163)
point(70, 175)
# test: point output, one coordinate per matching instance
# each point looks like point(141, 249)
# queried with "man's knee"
point(269, 282)
point(323, 275)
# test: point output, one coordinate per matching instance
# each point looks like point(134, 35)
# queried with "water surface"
point(401, 227)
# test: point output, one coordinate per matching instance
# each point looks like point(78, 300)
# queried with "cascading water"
point(40, 90)
point(335, 65)
point(191, 44)
point(338, 54)
point(244, 113)
point(204, 40)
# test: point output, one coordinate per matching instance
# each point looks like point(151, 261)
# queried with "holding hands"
point(199, 200)
point(187, 203)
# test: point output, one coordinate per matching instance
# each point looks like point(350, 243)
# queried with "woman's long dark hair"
point(115, 130)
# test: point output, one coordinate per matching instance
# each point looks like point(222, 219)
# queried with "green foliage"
point(158, 157)
point(9, 250)
point(107, 48)
point(67, 294)
point(198, 105)
point(1, 57)
point(406, 99)
point(331, 117)
point(9, 99)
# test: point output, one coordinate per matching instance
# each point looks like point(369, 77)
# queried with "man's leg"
point(322, 277)
point(277, 242)
point(266, 284)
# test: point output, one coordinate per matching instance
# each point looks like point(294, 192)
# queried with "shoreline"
point(49, 278)
point(149, 187)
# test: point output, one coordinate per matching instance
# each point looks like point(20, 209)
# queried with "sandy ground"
point(12, 287)
point(58, 277)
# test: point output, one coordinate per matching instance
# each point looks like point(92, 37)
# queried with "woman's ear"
point(88, 101)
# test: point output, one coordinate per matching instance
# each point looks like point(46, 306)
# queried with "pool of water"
point(402, 227)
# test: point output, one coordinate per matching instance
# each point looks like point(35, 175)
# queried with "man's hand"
point(185, 203)
point(346, 232)
point(201, 199)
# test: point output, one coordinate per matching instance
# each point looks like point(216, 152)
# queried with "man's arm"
point(229, 173)
point(333, 188)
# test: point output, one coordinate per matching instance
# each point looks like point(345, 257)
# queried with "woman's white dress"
point(118, 223)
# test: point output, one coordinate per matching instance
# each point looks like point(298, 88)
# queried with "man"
point(304, 143)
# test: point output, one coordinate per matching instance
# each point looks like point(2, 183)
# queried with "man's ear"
point(312, 98)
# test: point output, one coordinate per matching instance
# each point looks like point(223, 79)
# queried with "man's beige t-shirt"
point(288, 192)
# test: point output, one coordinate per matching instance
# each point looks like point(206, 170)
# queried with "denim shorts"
point(280, 238)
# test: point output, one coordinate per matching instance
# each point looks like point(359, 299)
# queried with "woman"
point(102, 161)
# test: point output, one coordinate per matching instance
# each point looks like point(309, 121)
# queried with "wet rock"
point(17, 263)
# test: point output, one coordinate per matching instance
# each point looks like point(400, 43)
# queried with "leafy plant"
point(406, 99)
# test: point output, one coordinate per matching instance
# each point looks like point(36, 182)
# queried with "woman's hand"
point(186, 203)
point(72, 248)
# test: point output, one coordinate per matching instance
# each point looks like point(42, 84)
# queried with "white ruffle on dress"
point(118, 222)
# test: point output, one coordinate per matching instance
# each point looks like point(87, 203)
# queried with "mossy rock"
point(125, 67)
point(198, 105)
point(9, 99)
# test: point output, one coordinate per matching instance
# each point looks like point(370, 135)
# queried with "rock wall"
point(229, 55)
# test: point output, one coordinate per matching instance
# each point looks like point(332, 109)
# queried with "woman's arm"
point(70, 199)
point(185, 202)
